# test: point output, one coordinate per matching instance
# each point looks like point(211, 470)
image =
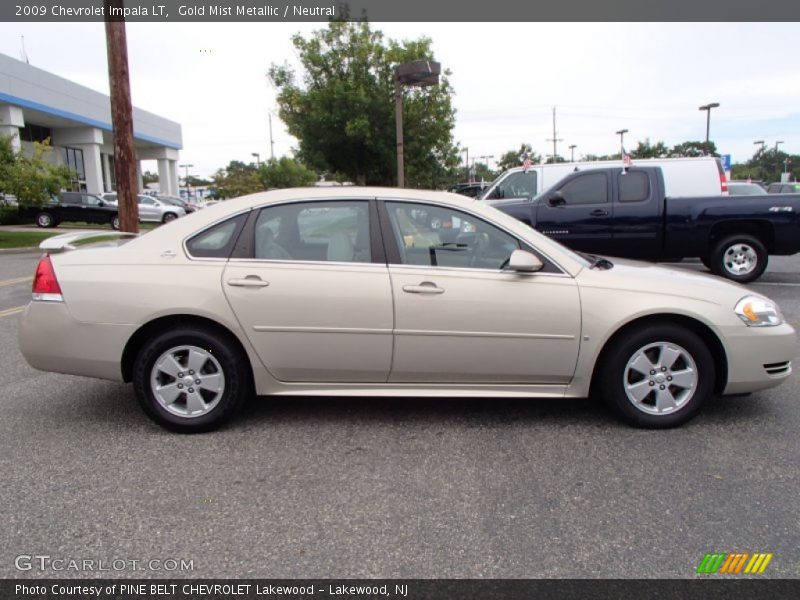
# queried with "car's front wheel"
point(657, 376)
point(190, 380)
point(115, 222)
point(45, 219)
point(169, 217)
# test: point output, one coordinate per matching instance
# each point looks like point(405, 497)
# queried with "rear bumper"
point(50, 339)
point(759, 359)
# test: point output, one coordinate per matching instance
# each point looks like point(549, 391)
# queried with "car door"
point(461, 318)
point(578, 212)
point(637, 219)
point(148, 210)
point(94, 209)
point(314, 295)
point(70, 207)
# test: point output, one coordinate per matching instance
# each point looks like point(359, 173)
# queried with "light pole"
point(258, 159)
point(186, 178)
point(572, 152)
point(621, 133)
point(777, 144)
point(466, 164)
point(420, 73)
point(762, 144)
point(707, 108)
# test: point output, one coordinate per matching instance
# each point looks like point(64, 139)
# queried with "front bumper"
point(51, 339)
point(758, 358)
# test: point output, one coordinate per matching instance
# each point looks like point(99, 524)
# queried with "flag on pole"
point(626, 159)
point(526, 162)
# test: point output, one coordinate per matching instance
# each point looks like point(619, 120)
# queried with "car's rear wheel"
point(741, 258)
point(169, 217)
point(657, 376)
point(45, 219)
point(190, 380)
point(115, 222)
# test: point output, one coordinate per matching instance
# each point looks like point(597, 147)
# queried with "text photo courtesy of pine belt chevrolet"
point(389, 292)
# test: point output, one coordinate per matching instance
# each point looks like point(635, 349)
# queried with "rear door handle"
point(249, 281)
point(426, 287)
point(599, 212)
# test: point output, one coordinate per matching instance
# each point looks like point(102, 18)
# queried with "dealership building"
point(36, 105)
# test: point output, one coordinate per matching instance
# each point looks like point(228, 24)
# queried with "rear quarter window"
point(217, 241)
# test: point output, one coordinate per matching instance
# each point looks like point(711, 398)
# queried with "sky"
point(649, 78)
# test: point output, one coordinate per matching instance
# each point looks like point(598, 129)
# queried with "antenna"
point(23, 55)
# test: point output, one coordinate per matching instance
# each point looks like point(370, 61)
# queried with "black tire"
point(706, 260)
point(615, 376)
point(115, 222)
point(46, 219)
point(729, 258)
point(222, 356)
point(169, 217)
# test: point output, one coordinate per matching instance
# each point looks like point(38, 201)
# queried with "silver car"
point(389, 292)
point(151, 209)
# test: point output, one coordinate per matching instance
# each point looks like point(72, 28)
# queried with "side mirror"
point(557, 199)
point(101, 203)
point(523, 261)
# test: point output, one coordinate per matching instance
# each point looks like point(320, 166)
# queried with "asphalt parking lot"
point(411, 488)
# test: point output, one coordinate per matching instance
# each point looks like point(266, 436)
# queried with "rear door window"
point(634, 186)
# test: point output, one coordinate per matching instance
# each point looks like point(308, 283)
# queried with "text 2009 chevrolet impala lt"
point(390, 292)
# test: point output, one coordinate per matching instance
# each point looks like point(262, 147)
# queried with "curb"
point(19, 250)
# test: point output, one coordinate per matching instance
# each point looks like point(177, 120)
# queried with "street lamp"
point(572, 152)
point(707, 108)
point(776, 145)
point(186, 177)
point(762, 143)
point(419, 73)
point(621, 133)
point(258, 158)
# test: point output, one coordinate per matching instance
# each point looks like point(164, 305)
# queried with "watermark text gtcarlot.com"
point(44, 562)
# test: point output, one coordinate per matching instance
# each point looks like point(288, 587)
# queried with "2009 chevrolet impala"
point(361, 291)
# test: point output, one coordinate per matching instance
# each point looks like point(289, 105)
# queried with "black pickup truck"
point(626, 214)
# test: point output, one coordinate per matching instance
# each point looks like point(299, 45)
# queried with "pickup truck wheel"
point(115, 222)
point(45, 219)
point(657, 376)
point(741, 258)
point(706, 260)
point(190, 380)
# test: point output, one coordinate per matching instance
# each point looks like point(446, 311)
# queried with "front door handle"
point(426, 287)
point(599, 212)
point(249, 281)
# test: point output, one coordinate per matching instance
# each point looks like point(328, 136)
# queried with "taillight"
point(723, 181)
point(45, 283)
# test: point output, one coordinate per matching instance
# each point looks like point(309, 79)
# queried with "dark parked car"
point(473, 190)
point(783, 188)
point(75, 206)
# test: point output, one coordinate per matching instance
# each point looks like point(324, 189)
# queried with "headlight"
point(758, 312)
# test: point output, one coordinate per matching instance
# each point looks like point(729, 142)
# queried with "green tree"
point(343, 111)
point(28, 175)
point(513, 158)
point(149, 177)
point(285, 172)
point(768, 165)
point(237, 179)
point(693, 149)
point(647, 150)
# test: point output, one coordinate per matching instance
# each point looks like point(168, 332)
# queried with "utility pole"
point(466, 164)
point(554, 139)
point(271, 143)
point(122, 119)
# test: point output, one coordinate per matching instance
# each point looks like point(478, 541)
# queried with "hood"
point(634, 276)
